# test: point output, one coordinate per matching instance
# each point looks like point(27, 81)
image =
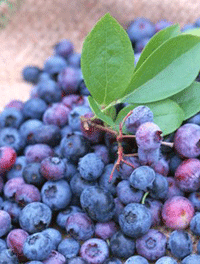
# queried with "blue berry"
point(37, 246)
point(32, 175)
point(94, 250)
point(18, 167)
point(28, 193)
point(166, 260)
point(13, 209)
point(5, 223)
point(155, 207)
point(53, 168)
point(55, 257)
point(27, 128)
point(74, 60)
point(98, 203)
point(160, 187)
point(35, 217)
point(31, 74)
point(126, 170)
point(83, 90)
point(195, 119)
point(179, 244)
point(54, 235)
point(11, 186)
point(152, 245)
point(194, 198)
point(73, 100)
point(102, 151)
point(64, 48)
point(74, 117)
point(148, 157)
point(136, 260)
point(122, 246)
point(192, 258)
point(37, 152)
point(63, 215)
point(3, 245)
point(69, 247)
point(161, 24)
point(174, 162)
point(54, 65)
point(127, 194)
point(80, 226)
point(112, 261)
point(7, 256)
point(65, 131)
point(49, 91)
point(195, 224)
point(161, 166)
point(135, 220)
point(71, 170)
point(34, 108)
point(105, 230)
point(188, 27)
point(197, 22)
point(11, 117)
point(173, 188)
point(142, 178)
point(90, 167)
point(140, 44)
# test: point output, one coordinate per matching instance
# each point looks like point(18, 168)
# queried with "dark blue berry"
point(69, 247)
point(174, 162)
point(83, 90)
point(71, 170)
point(34, 108)
point(32, 175)
point(195, 224)
point(27, 128)
point(77, 260)
point(140, 44)
point(112, 261)
point(5, 223)
point(31, 74)
point(102, 151)
point(126, 170)
point(64, 48)
point(155, 207)
point(74, 60)
point(11, 117)
point(74, 117)
point(65, 131)
point(13, 209)
point(49, 91)
point(54, 65)
point(194, 197)
point(3, 245)
point(18, 167)
point(160, 187)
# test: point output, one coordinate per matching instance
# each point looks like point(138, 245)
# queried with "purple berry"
point(13, 209)
point(102, 152)
point(105, 230)
point(55, 258)
point(64, 48)
point(161, 166)
point(32, 175)
point(27, 193)
point(53, 168)
point(11, 187)
point(155, 207)
point(5, 223)
point(173, 188)
point(161, 24)
point(38, 152)
point(18, 167)
point(148, 157)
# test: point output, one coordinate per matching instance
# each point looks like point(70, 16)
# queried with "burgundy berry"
point(15, 240)
point(53, 168)
point(177, 212)
point(7, 158)
point(105, 230)
point(27, 193)
point(173, 190)
point(94, 250)
point(55, 258)
point(187, 141)
point(11, 187)
point(38, 152)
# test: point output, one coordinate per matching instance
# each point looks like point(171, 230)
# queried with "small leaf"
point(167, 71)
point(195, 32)
point(189, 99)
point(97, 110)
point(107, 60)
point(158, 39)
point(167, 114)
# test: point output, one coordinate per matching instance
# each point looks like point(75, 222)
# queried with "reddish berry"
point(7, 158)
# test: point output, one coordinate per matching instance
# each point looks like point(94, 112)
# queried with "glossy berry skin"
point(34, 108)
point(94, 251)
point(27, 128)
point(127, 194)
point(142, 178)
point(195, 224)
point(136, 260)
point(54, 235)
point(31, 74)
point(35, 217)
point(57, 114)
point(53, 168)
point(140, 115)
point(32, 175)
point(54, 65)
point(105, 230)
point(192, 258)
point(11, 117)
point(98, 203)
point(155, 207)
point(125, 170)
point(37, 246)
point(37, 152)
point(140, 28)
point(75, 117)
point(166, 260)
point(80, 226)
point(186, 141)
point(13, 209)
point(49, 91)
point(187, 175)
point(7, 256)
point(56, 194)
point(179, 244)
point(11, 186)
point(194, 198)
point(122, 246)
point(15, 240)
point(5, 223)
point(177, 212)
point(135, 220)
point(18, 167)
point(90, 167)
point(160, 187)
point(69, 247)
point(152, 245)
point(27, 193)
point(173, 188)
point(64, 48)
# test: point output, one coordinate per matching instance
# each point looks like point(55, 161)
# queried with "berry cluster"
point(58, 201)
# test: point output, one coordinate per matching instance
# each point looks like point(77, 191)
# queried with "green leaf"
point(189, 99)
point(158, 39)
point(168, 70)
point(111, 112)
point(195, 32)
point(97, 110)
point(168, 115)
point(107, 60)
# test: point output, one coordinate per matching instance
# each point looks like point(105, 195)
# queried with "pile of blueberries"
point(57, 204)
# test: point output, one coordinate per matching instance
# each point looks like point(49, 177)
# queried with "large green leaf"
point(189, 99)
point(168, 115)
point(168, 70)
point(107, 60)
point(195, 32)
point(158, 39)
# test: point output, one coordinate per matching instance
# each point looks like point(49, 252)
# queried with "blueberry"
point(49, 91)
point(27, 128)
point(11, 117)
point(32, 175)
point(69, 247)
point(73, 100)
point(7, 256)
point(160, 187)
point(54, 65)
point(3, 245)
point(127, 194)
point(18, 167)
point(142, 178)
point(166, 260)
point(135, 220)
point(102, 151)
point(152, 245)
point(34, 108)
point(194, 198)
point(197, 22)
point(54, 235)
point(155, 207)
point(17, 104)
point(63, 215)
point(55, 257)
point(105, 230)
point(90, 167)
point(77, 260)
point(161, 24)
point(5, 223)
point(37, 152)
point(74, 60)
point(136, 260)
point(195, 119)
point(174, 162)
point(34, 262)
point(137, 57)
point(148, 157)
point(35, 217)
point(161, 166)
point(56, 194)
point(83, 90)
point(122, 246)
point(98, 203)
point(192, 258)
point(188, 27)
point(65, 131)
point(195, 224)
point(118, 209)
point(28, 193)
point(112, 261)
point(37, 246)
point(126, 170)
point(74, 117)
point(64, 48)
point(11, 187)
point(179, 244)
point(80, 226)
point(13, 209)
point(94, 250)
point(31, 74)
point(140, 44)
point(53, 168)
point(198, 247)
point(71, 170)
point(173, 188)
